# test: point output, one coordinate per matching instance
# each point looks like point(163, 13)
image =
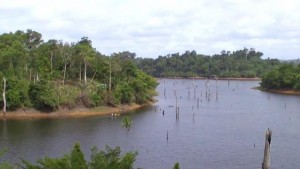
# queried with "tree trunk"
point(109, 85)
point(51, 62)
point(4, 97)
point(266, 161)
point(26, 68)
point(65, 69)
point(30, 75)
point(37, 77)
point(94, 75)
point(80, 73)
point(85, 65)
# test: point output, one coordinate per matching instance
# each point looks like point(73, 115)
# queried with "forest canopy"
point(55, 74)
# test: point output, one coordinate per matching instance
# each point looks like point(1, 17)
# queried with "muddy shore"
point(280, 91)
point(30, 113)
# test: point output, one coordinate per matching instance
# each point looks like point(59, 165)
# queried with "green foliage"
point(286, 76)
point(77, 158)
point(4, 165)
point(60, 72)
point(108, 159)
point(271, 80)
point(142, 86)
point(123, 92)
point(43, 95)
point(297, 81)
point(127, 122)
point(52, 75)
point(66, 95)
point(49, 163)
point(176, 166)
point(17, 93)
point(88, 95)
point(74, 160)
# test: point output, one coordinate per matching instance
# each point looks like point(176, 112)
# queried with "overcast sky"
point(158, 27)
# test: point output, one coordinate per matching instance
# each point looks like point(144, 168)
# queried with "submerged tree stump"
point(266, 161)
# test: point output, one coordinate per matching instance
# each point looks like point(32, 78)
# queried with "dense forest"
point(53, 75)
point(245, 63)
point(286, 76)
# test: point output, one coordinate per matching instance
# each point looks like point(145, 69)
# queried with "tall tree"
point(246, 51)
point(66, 52)
point(32, 41)
point(86, 53)
point(53, 47)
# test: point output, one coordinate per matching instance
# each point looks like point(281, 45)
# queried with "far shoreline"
point(102, 111)
point(219, 78)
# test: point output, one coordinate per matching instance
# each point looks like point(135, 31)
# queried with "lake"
point(221, 125)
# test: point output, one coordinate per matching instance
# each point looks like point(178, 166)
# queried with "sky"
point(151, 28)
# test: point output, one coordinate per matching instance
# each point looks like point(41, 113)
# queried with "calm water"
point(220, 132)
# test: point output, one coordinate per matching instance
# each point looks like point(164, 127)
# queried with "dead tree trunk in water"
point(4, 98)
point(266, 161)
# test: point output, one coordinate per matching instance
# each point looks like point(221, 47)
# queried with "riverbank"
point(73, 113)
point(280, 91)
point(289, 92)
point(213, 78)
point(240, 78)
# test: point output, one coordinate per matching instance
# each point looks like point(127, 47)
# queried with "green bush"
point(17, 93)
point(144, 87)
point(284, 77)
point(176, 166)
point(67, 95)
point(123, 92)
point(43, 96)
point(95, 93)
point(297, 82)
point(5, 164)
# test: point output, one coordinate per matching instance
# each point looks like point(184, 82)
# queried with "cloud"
point(159, 27)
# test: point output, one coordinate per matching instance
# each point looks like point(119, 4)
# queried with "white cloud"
point(158, 27)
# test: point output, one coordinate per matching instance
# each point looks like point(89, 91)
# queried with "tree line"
point(244, 63)
point(55, 74)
